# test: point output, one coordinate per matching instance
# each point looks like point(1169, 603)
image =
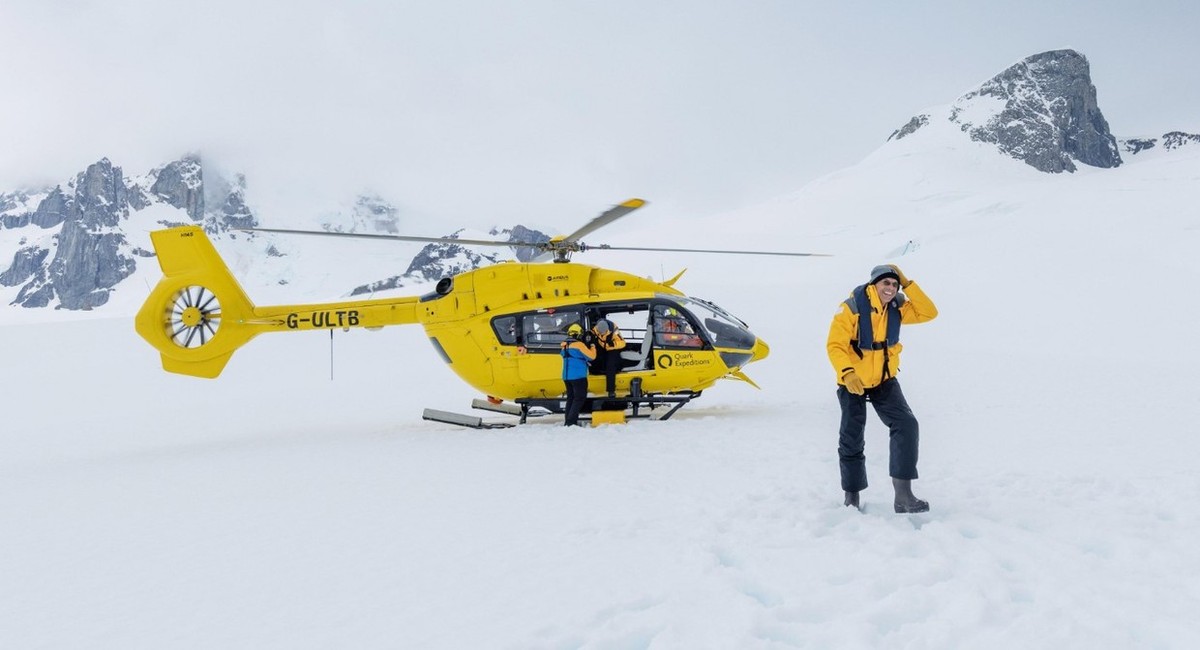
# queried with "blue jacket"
point(576, 357)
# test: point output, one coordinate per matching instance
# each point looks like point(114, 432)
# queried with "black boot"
point(905, 501)
point(852, 500)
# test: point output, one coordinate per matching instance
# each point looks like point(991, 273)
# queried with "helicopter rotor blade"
point(354, 235)
point(558, 248)
point(605, 218)
point(606, 247)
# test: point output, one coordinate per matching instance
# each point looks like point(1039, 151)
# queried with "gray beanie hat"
point(602, 326)
point(883, 271)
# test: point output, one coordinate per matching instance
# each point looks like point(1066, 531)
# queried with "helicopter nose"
point(759, 351)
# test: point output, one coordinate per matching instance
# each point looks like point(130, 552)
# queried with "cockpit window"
point(672, 329)
point(724, 329)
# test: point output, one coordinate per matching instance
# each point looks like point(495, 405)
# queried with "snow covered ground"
point(277, 508)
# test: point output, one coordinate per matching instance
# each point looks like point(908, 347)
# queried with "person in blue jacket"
point(576, 356)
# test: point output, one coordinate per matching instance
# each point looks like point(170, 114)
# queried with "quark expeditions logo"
point(681, 360)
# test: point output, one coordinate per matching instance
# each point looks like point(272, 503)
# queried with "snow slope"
point(276, 507)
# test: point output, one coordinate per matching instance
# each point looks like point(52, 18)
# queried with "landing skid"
point(461, 420)
point(651, 407)
point(476, 422)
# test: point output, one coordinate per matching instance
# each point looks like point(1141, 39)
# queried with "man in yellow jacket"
point(864, 348)
point(609, 344)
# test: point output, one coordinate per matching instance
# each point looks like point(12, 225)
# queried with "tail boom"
point(198, 314)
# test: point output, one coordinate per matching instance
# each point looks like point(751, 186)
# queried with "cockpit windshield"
point(724, 329)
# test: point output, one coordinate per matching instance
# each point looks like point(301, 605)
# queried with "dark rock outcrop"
point(54, 209)
point(1135, 146)
point(86, 253)
point(1170, 142)
point(445, 259)
point(1050, 118)
point(89, 257)
point(1177, 139)
point(181, 184)
point(26, 263)
point(88, 265)
point(908, 129)
point(521, 233)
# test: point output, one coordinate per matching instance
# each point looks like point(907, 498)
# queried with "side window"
point(630, 321)
point(546, 330)
point(506, 329)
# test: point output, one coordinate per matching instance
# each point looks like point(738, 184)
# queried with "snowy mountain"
point(72, 241)
point(1041, 110)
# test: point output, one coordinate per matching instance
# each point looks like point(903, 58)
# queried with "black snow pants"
point(893, 410)
point(577, 390)
point(607, 363)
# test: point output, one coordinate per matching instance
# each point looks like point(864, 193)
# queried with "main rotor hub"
point(562, 249)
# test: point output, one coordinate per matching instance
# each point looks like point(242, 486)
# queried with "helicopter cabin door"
point(540, 335)
point(536, 339)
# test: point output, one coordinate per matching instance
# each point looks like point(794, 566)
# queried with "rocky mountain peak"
point(1041, 110)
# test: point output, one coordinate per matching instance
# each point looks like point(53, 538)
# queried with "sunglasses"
point(889, 283)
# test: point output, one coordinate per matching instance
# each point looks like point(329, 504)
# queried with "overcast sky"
point(540, 111)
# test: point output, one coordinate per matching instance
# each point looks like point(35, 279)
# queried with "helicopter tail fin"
point(196, 316)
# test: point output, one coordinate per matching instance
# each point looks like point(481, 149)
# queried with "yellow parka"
point(917, 308)
point(610, 341)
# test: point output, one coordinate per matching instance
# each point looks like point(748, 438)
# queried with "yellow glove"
point(853, 383)
point(904, 281)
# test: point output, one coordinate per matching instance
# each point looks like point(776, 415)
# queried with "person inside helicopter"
point(609, 344)
point(672, 329)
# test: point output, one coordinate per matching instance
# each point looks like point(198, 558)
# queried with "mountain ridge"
point(71, 245)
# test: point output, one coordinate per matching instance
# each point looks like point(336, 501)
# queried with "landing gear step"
point(506, 408)
point(502, 407)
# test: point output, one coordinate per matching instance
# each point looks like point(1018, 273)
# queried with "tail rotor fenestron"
point(193, 317)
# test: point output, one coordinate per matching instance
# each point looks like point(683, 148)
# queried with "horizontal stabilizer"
point(204, 368)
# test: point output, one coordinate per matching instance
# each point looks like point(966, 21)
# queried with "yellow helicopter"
point(498, 327)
